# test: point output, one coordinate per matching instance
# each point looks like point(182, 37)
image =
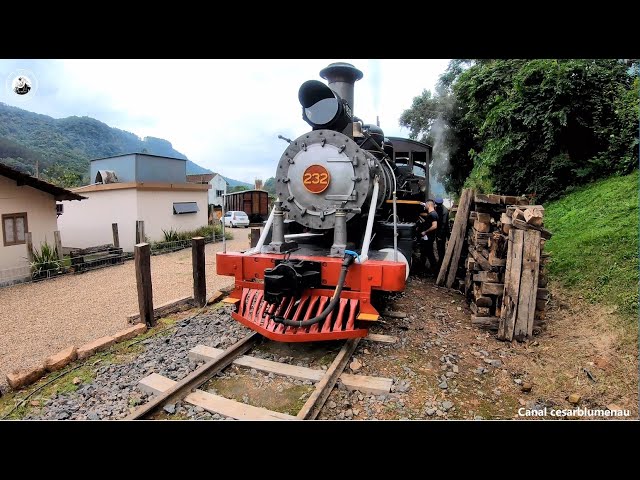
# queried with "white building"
point(26, 205)
point(129, 188)
point(218, 186)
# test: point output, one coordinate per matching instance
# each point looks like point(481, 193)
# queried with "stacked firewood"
point(504, 274)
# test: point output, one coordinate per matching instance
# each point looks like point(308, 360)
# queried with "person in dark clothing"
point(426, 227)
point(442, 234)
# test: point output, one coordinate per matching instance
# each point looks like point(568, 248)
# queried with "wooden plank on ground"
point(165, 308)
point(231, 408)
point(528, 286)
point(489, 323)
point(461, 218)
point(377, 337)
point(155, 384)
point(204, 353)
point(457, 233)
point(365, 383)
point(511, 285)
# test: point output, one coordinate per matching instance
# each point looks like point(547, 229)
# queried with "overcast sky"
point(223, 114)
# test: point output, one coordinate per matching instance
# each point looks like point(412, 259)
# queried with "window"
point(219, 193)
point(14, 228)
point(185, 207)
point(228, 214)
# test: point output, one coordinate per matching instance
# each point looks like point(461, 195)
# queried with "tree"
point(530, 126)
point(270, 185)
point(61, 176)
point(237, 188)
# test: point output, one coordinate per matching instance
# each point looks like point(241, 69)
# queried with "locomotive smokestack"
point(342, 77)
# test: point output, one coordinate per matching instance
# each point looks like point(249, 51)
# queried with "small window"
point(219, 193)
point(185, 207)
point(59, 209)
point(228, 214)
point(14, 228)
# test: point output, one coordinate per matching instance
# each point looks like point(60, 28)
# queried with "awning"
point(185, 207)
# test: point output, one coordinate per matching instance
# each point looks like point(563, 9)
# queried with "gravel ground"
point(113, 393)
point(40, 319)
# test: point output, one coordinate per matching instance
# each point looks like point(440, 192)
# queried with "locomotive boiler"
point(342, 225)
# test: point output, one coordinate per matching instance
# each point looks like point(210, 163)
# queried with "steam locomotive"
point(342, 226)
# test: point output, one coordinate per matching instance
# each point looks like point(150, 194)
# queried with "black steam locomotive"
point(348, 197)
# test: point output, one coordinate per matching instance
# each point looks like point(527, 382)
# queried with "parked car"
point(235, 218)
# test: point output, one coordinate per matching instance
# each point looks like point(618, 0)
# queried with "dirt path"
point(39, 319)
point(445, 368)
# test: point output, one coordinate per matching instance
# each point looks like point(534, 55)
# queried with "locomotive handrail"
point(364, 254)
point(263, 235)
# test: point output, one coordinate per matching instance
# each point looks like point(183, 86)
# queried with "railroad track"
point(169, 391)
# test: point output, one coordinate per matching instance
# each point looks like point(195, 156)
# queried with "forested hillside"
point(534, 127)
point(62, 148)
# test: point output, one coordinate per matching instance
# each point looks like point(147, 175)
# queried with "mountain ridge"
point(32, 141)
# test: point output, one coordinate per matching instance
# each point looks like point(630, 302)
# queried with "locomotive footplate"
point(349, 319)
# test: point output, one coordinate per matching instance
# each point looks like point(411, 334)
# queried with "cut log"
point(492, 277)
point(483, 301)
point(481, 198)
point(497, 262)
point(542, 280)
point(542, 293)
point(481, 227)
point(533, 216)
point(541, 305)
point(489, 323)
point(480, 260)
point(546, 234)
point(483, 217)
point(517, 214)
point(492, 288)
point(510, 199)
point(528, 286)
point(495, 199)
point(511, 285)
point(479, 311)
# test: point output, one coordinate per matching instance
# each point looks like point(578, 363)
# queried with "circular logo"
point(316, 178)
point(21, 85)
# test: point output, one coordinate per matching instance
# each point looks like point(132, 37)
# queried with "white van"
point(236, 219)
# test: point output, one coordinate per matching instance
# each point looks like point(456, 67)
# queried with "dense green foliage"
point(60, 149)
point(594, 248)
point(270, 185)
point(535, 127)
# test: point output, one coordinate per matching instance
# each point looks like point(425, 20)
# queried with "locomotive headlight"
point(322, 107)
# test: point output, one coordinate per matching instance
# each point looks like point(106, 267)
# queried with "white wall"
point(88, 223)
point(217, 183)
point(156, 209)
point(41, 221)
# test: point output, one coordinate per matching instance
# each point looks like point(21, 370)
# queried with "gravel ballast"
point(40, 319)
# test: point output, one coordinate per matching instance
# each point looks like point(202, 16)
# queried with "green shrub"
point(45, 261)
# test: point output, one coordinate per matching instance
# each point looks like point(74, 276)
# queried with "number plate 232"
point(316, 178)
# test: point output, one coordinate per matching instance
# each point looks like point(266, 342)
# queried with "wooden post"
point(116, 237)
point(58, 242)
point(197, 260)
point(29, 240)
point(142, 255)
point(255, 236)
point(139, 231)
